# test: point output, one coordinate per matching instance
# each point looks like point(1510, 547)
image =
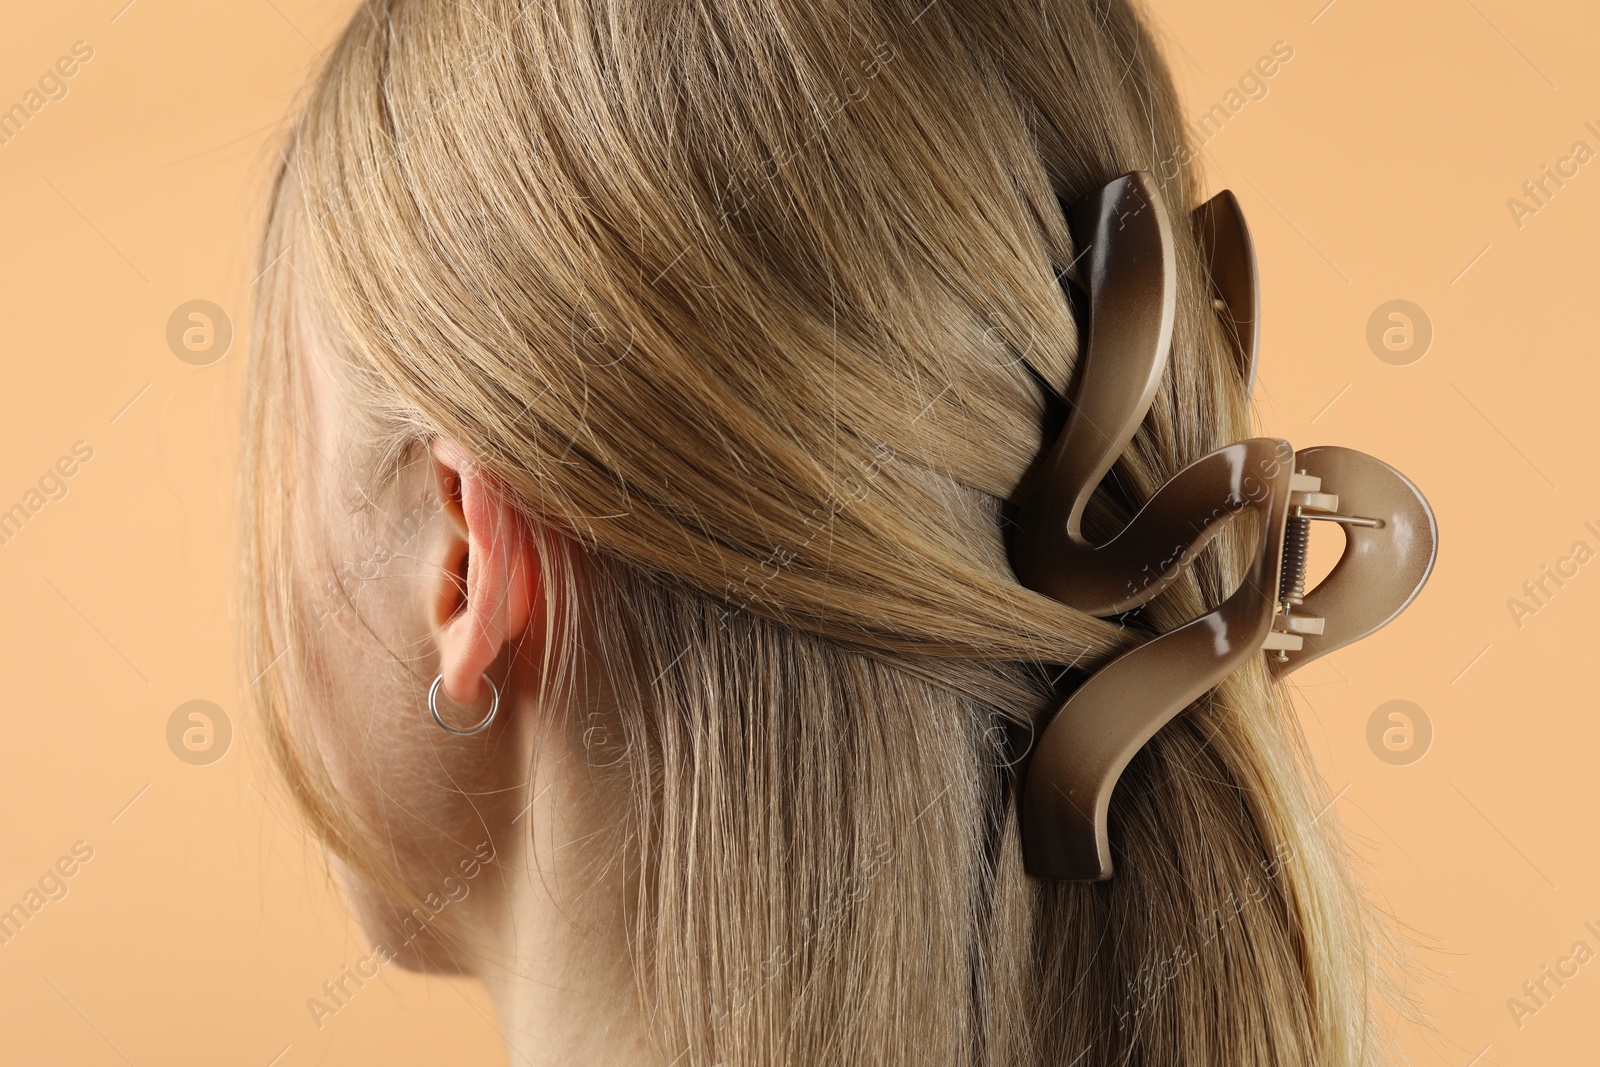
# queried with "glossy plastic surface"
point(1127, 251)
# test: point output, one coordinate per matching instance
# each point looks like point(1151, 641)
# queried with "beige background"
point(1378, 166)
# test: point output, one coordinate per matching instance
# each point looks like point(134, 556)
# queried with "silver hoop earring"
point(433, 706)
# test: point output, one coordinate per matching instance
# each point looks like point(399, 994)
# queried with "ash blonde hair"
point(734, 297)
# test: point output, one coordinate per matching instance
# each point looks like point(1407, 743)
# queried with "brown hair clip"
point(1391, 536)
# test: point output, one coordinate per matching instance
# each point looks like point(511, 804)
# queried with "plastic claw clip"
point(1391, 537)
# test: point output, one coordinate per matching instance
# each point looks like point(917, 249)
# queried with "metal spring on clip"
point(1296, 544)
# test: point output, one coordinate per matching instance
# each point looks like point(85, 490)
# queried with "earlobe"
point(488, 572)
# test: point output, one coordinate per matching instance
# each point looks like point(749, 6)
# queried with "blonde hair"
point(735, 298)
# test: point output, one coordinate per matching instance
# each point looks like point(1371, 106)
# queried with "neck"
point(563, 985)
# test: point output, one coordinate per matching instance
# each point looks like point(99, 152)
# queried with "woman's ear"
point(488, 567)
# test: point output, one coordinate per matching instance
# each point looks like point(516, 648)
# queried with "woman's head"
point(664, 364)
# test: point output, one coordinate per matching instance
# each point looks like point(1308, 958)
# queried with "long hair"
point(740, 298)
